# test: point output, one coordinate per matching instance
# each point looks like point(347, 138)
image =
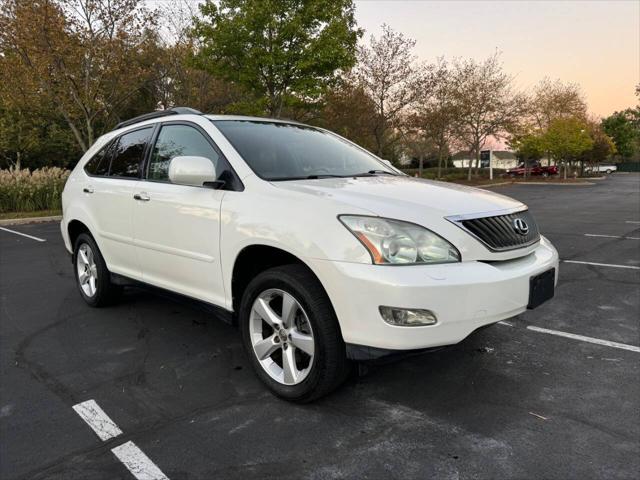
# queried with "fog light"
point(407, 317)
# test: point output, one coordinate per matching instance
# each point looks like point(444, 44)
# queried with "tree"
point(553, 99)
point(88, 56)
point(387, 72)
point(603, 146)
point(435, 113)
point(625, 134)
point(485, 103)
point(283, 52)
point(566, 139)
point(349, 112)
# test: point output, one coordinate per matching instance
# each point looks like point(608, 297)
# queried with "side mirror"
point(387, 163)
point(191, 170)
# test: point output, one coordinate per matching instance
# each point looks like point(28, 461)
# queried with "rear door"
point(110, 196)
point(177, 227)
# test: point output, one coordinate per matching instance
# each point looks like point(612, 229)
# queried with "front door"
point(177, 227)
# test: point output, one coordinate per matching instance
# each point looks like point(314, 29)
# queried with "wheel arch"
point(256, 258)
point(75, 228)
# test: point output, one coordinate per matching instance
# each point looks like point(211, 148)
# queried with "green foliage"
point(529, 146)
point(624, 128)
point(25, 191)
point(567, 138)
point(286, 53)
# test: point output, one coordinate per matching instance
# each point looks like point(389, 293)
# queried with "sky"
point(593, 43)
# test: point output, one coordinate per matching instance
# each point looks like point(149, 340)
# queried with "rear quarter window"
point(129, 153)
point(98, 165)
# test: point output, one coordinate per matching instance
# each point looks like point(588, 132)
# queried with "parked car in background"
point(606, 168)
point(319, 251)
point(534, 169)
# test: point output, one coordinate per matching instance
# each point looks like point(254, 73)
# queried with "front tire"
point(291, 334)
point(92, 276)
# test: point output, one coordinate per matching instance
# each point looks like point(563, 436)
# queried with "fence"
point(629, 167)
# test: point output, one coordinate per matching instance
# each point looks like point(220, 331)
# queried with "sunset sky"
point(593, 43)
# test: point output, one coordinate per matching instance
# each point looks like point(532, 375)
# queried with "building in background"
point(496, 158)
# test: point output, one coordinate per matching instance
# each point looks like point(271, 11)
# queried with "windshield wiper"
point(373, 173)
point(308, 177)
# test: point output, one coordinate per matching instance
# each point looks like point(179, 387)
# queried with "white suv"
point(320, 251)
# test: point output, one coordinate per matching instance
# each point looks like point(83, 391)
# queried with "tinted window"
point(279, 151)
point(99, 164)
point(129, 153)
point(178, 140)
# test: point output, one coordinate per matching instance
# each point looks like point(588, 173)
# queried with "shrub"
point(25, 191)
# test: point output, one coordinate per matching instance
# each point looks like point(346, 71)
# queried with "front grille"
point(499, 233)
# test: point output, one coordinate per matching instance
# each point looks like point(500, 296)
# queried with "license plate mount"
point(541, 288)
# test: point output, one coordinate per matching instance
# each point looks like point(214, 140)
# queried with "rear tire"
point(278, 339)
point(92, 276)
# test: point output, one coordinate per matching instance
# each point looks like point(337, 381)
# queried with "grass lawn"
point(38, 213)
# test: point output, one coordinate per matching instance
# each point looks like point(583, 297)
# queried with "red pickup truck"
point(533, 169)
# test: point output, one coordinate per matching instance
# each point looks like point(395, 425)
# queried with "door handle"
point(143, 197)
point(87, 190)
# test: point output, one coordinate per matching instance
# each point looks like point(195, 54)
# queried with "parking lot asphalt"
point(508, 402)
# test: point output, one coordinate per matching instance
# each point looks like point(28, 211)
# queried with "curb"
point(493, 184)
point(25, 221)
point(573, 184)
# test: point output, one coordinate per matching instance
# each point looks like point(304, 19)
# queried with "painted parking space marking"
point(99, 421)
point(138, 463)
point(582, 338)
point(611, 236)
point(602, 264)
point(23, 235)
point(140, 466)
point(633, 222)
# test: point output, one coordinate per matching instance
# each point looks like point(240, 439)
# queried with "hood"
point(388, 196)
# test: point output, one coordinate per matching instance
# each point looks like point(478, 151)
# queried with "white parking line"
point(138, 463)
point(632, 221)
point(597, 341)
point(99, 421)
point(602, 264)
point(23, 234)
point(611, 236)
point(128, 453)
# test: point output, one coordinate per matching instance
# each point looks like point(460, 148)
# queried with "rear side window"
point(99, 164)
point(174, 141)
point(129, 153)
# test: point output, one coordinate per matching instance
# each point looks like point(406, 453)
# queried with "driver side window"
point(178, 140)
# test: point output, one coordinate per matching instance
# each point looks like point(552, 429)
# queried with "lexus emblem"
point(520, 226)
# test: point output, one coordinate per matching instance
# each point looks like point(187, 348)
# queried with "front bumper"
point(464, 296)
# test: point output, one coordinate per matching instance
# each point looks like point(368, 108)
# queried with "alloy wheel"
point(87, 270)
point(281, 336)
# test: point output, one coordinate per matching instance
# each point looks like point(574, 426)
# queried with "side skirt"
point(220, 312)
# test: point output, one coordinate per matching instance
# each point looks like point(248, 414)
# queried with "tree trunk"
point(420, 165)
point(439, 163)
point(470, 164)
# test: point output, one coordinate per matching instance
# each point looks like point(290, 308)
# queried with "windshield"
point(284, 151)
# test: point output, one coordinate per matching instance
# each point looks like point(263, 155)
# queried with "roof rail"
point(157, 114)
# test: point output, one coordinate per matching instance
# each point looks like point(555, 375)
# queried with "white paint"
point(601, 264)
point(611, 236)
point(23, 235)
point(139, 241)
point(138, 463)
point(632, 221)
point(597, 341)
point(99, 421)
point(505, 323)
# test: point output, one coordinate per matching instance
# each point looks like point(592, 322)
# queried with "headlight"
point(399, 243)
